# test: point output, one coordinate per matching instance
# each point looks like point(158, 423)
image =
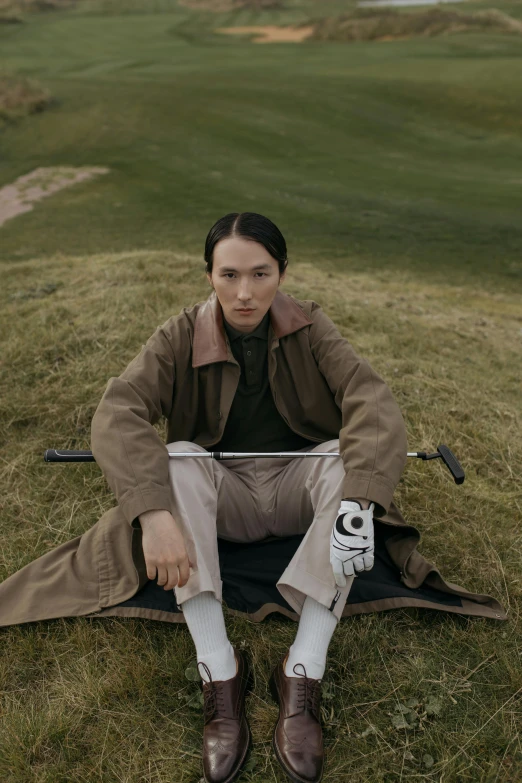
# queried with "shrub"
point(20, 96)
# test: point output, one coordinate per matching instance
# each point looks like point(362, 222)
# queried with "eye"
point(231, 273)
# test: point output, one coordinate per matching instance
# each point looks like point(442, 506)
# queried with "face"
point(244, 275)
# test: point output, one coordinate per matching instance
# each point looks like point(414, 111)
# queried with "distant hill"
point(381, 24)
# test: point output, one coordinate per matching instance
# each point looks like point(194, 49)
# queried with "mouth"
point(250, 310)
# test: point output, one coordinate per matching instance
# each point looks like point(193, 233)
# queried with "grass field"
point(394, 171)
point(400, 154)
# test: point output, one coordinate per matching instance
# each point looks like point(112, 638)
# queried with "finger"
point(151, 571)
point(340, 579)
point(348, 568)
point(338, 574)
point(184, 572)
point(368, 562)
point(172, 580)
point(358, 563)
point(162, 575)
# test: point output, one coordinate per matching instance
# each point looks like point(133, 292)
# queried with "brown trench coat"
point(187, 373)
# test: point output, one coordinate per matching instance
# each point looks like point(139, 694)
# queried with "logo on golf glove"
point(351, 541)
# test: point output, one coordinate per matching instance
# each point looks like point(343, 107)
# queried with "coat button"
point(219, 414)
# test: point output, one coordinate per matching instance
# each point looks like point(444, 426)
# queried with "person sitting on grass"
point(256, 370)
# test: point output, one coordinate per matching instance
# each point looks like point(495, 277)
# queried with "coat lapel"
point(209, 332)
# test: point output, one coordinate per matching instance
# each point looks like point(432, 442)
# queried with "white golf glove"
point(351, 541)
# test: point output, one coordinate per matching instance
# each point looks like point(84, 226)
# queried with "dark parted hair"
point(249, 225)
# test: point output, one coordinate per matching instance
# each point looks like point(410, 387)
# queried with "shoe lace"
point(213, 697)
point(309, 692)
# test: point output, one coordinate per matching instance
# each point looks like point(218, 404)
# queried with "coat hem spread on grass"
point(400, 578)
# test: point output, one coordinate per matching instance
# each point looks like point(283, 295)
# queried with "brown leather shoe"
point(226, 733)
point(298, 736)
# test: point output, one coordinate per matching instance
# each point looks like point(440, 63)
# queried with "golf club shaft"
point(64, 455)
point(449, 459)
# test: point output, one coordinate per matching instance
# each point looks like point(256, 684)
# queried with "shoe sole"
point(234, 775)
point(292, 775)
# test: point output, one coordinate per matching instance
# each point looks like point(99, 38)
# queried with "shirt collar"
point(261, 330)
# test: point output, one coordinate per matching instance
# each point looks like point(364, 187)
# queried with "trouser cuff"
point(198, 582)
point(296, 585)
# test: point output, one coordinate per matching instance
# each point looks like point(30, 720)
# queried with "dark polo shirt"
point(254, 423)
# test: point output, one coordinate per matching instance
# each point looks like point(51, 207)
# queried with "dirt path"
point(19, 197)
point(271, 33)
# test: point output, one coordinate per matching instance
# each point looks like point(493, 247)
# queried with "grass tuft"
point(20, 96)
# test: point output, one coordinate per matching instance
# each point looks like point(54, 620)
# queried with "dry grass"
point(106, 699)
point(389, 24)
point(20, 96)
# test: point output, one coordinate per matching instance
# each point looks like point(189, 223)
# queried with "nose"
point(244, 295)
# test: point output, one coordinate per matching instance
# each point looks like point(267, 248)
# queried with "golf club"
point(443, 452)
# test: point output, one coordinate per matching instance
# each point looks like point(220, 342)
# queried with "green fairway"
point(401, 154)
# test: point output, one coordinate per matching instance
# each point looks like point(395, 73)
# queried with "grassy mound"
point(230, 5)
point(10, 12)
point(13, 11)
point(111, 694)
point(387, 24)
point(20, 6)
point(20, 96)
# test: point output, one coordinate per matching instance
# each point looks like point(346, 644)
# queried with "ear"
point(209, 278)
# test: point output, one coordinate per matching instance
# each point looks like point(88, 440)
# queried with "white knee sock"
point(316, 626)
point(205, 621)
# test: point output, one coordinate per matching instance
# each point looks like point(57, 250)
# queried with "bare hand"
point(164, 549)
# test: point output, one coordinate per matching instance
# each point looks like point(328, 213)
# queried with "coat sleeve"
point(372, 439)
point(124, 442)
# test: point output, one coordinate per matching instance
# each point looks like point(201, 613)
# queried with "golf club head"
point(452, 463)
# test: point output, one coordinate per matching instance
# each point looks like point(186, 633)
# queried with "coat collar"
point(209, 332)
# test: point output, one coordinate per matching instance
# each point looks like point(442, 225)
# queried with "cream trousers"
point(250, 499)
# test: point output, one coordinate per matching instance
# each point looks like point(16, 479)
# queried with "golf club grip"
point(453, 464)
point(54, 455)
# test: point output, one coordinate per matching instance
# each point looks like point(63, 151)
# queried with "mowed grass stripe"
point(431, 204)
